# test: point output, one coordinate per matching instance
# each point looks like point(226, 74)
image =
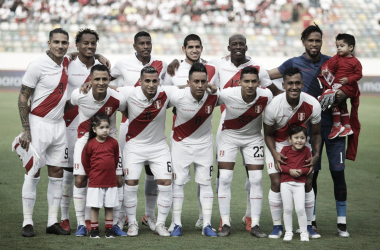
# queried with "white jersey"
point(281, 115)
point(193, 123)
point(78, 75)
point(243, 119)
point(49, 81)
point(182, 75)
point(147, 117)
point(88, 107)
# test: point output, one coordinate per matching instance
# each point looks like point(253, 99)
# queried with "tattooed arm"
point(23, 108)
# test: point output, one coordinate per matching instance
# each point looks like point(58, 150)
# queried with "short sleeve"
point(264, 78)
point(163, 71)
point(123, 102)
point(173, 99)
point(269, 115)
point(223, 96)
point(316, 115)
point(167, 80)
point(117, 69)
point(288, 63)
point(32, 75)
point(126, 91)
point(75, 97)
point(169, 90)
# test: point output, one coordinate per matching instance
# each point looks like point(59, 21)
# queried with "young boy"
point(347, 70)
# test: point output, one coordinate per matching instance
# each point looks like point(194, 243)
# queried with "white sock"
point(206, 199)
point(164, 202)
point(275, 204)
point(130, 202)
point(178, 196)
point(116, 210)
point(248, 189)
point(67, 188)
point(151, 192)
point(29, 192)
point(256, 199)
point(87, 213)
point(341, 220)
point(309, 206)
point(54, 196)
point(79, 198)
point(224, 194)
point(199, 203)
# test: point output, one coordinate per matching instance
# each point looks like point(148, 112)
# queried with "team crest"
point(108, 110)
point(126, 172)
point(208, 109)
point(174, 176)
point(258, 109)
point(76, 166)
point(221, 153)
point(301, 116)
point(157, 104)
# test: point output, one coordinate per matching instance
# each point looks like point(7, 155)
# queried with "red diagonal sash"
point(188, 128)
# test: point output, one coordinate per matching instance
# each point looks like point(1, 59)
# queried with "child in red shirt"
point(347, 71)
point(100, 158)
point(293, 178)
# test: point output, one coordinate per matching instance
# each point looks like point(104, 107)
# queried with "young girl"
point(293, 178)
point(100, 158)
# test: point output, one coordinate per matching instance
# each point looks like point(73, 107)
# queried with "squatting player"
point(241, 129)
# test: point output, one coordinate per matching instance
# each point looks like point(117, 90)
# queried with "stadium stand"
point(272, 27)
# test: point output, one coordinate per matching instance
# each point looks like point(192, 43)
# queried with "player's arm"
point(68, 106)
point(172, 67)
point(316, 142)
point(271, 144)
point(357, 74)
point(23, 109)
point(274, 74)
point(275, 91)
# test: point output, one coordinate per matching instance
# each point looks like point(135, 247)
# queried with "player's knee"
point(56, 172)
point(80, 181)
point(164, 182)
point(275, 180)
point(225, 177)
point(119, 181)
point(340, 188)
point(132, 182)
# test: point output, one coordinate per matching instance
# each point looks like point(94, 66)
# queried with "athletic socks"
point(336, 115)
point(178, 195)
point(130, 202)
point(224, 194)
point(164, 202)
point(116, 210)
point(206, 199)
point(200, 217)
point(79, 197)
point(151, 192)
point(275, 205)
point(67, 188)
point(94, 225)
point(248, 189)
point(256, 195)
point(108, 224)
point(341, 208)
point(309, 206)
point(54, 196)
point(29, 192)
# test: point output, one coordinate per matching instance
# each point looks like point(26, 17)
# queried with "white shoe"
point(288, 236)
point(151, 223)
point(198, 225)
point(304, 236)
point(171, 228)
point(121, 222)
point(161, 230)
point(343, 234)
point(133, 230)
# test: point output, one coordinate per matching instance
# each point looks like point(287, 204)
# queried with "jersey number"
point(148, 115)
point(245, 119)
point(198, 120)
point(120, 165)
point(211, 169)
point(232, 82)
point(257, 154)
point(60, 88)
point(66, 153)
point(169, 166)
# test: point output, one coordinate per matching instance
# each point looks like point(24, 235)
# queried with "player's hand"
point(85, 88)
point(294, 173)
point(343, 81)
point(311, 162)
point(227, 57)
point(172, 67)
point(25, 140)
point(340, 96)
point(104, 61)
point(212, 88)
point(327, 99)
point(325, 72)
point(278, 161)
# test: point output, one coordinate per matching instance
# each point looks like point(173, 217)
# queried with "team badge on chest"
point(157, 104)
point(259, 109)
point(108, 110)
point(301, 116)
point(208, 109)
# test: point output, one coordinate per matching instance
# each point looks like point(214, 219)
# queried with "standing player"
point(286, 110)
point(100, 99)
point(241, 129)
point(45, 83)
point(193, 142)
point(310, 63)
point(129, 68)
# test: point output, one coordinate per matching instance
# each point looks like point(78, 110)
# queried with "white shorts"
point(102, 197)
point(78, 167)
point(122, 133)
point(49, 140)
point(202, 156)
point(72, 136)
point(252, 149)
point(157, 157)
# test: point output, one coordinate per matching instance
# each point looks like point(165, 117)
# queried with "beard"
point(312, 55)
point(193, 61)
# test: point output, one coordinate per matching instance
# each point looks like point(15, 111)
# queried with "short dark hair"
point(99, 67)
point(291, 71)
point(191, 37)
point(241, 35)
point(296, 129)
point(58, 31)
point(249, 70)
point(197, 67)
point(309, 30)
point(95, 122)
point(141, 34)
point(346, 38)
point(81, 32)
point(148, 70)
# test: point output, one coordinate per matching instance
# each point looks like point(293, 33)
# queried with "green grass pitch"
point(363, 217)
